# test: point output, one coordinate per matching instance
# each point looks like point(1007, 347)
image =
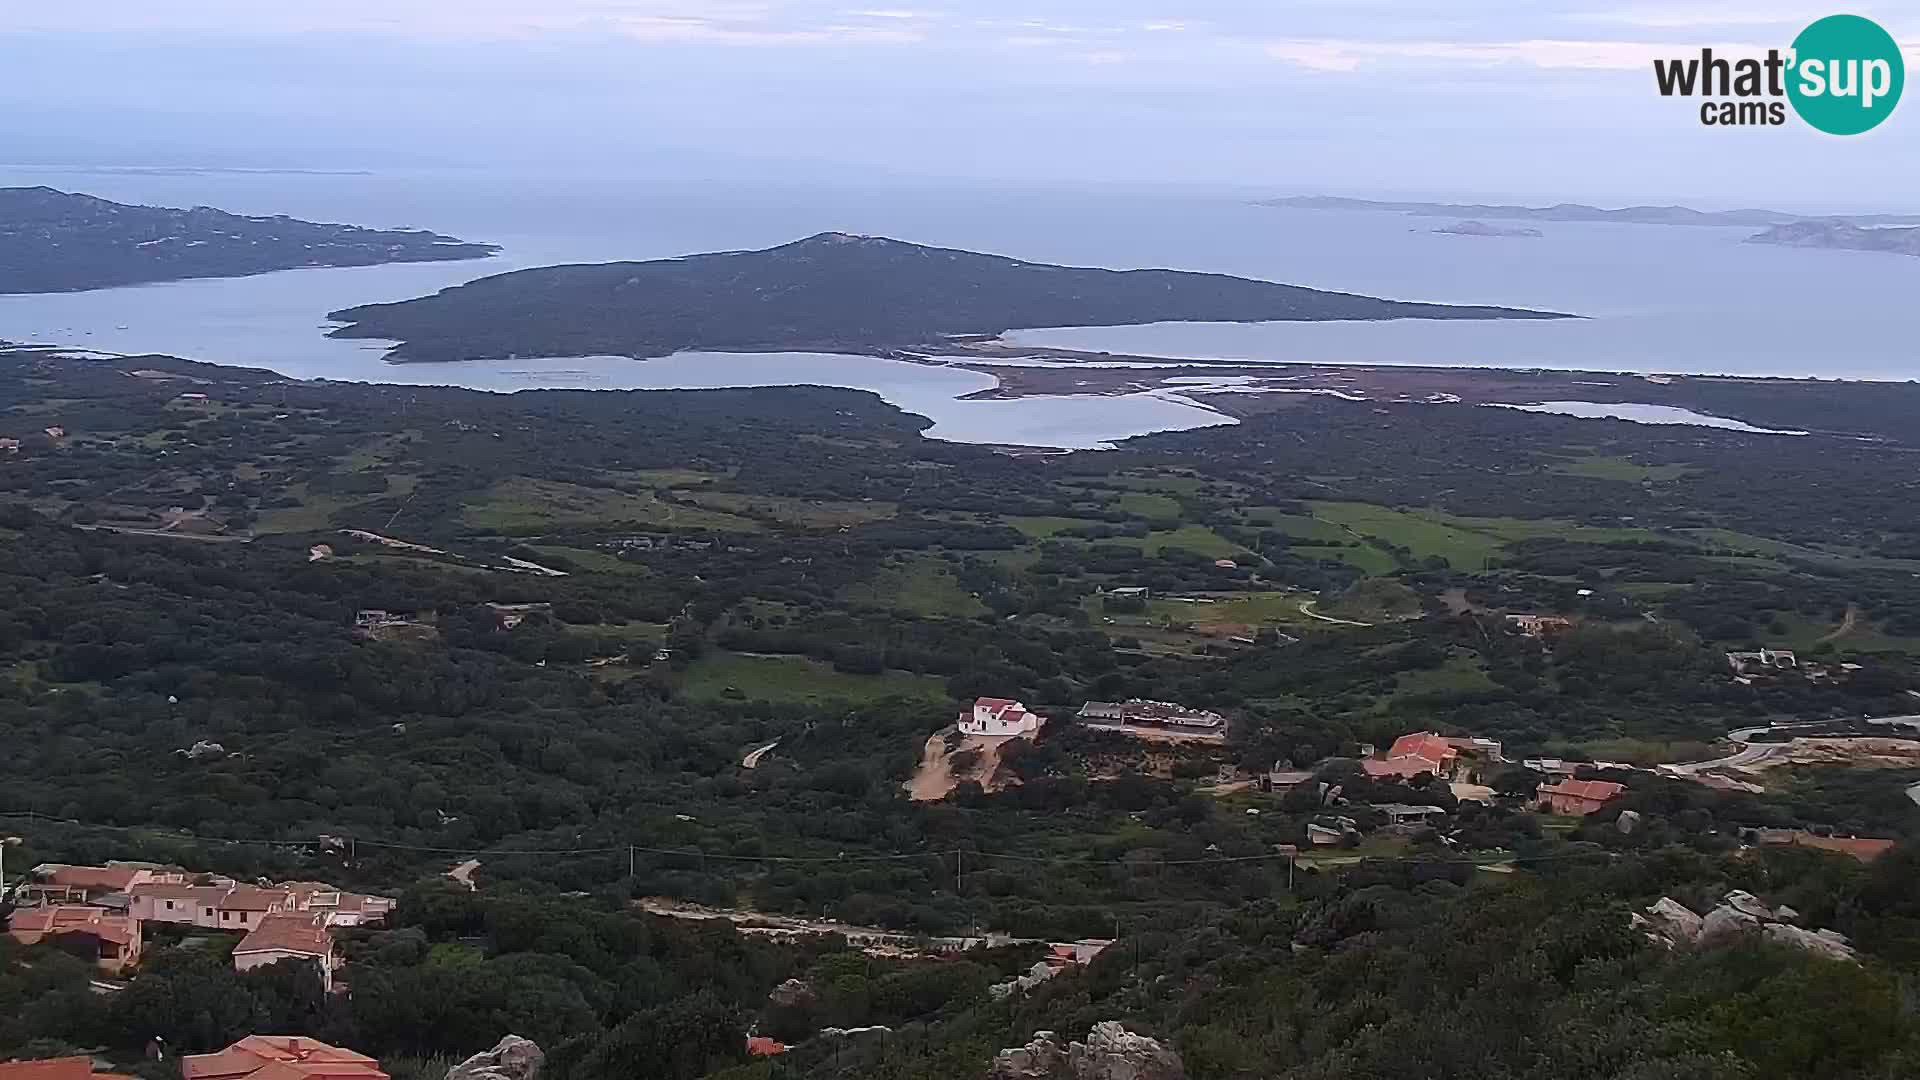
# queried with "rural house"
point(111, 941)
point(1539, 626)
point(280, 937)
point(1447, 757)
point(1863, 848)
point(64, 883)
point(1578, 797)
point(998, 716)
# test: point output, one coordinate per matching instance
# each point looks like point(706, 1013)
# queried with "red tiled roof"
point(1400, 766)
point(1864, 848)
point(761, 1046)
point(280, 1057)
point(74, 919)
point(1424, 744)
point(288, 933)
point(115, 878)
point(64, 1068)
point(1596, 790)
point(250, 898)
point(993, 702)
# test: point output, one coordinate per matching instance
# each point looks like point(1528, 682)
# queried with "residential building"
point(1539, 626)
point(1134, 714)
point(761, 1046)
point(1408, 813)
point(1578, 797)
point(62, 882)
point(279, 937)
point(1863, 848)
point(62, 1068)
point(111, 941)
point(341, 908)
point(1411, 755)
point(281, 1057)
point(997, 717)
point(1281, 780)
point(11, 446)
point(1131, 592)
point(1763, 662)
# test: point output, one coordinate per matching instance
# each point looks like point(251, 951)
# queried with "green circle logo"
point(1846, 74)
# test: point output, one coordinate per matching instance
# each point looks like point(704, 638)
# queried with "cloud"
point(1347, 55)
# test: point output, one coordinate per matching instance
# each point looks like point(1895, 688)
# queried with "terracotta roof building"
point(998, 716)
point(288, 937)
point(281, 1057)
point(63, 1068)
point(1863, 848)
point(1578, 797)
point(111, 941)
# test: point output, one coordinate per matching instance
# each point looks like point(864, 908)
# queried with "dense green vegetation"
point(53, 241)
point(830, 292)
point(695, 575)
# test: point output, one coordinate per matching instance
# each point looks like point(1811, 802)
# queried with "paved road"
point(1752, 753)
point(752, 760)
point(1306, 608)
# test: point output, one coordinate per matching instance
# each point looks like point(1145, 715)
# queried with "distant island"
point(1632, 215)
point(57, 241)
point(1481, 228)
point(1840, 236)
point(831, 292)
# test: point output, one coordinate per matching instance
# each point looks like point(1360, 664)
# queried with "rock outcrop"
point(512, 1058)
point(1111, 1052)
point(1675, 926)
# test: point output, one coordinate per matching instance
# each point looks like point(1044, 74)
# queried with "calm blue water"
point(1659, 299)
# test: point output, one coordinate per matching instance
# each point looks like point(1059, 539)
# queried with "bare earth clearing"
point(936, 779)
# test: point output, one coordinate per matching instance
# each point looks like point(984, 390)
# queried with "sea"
point(1686, 300)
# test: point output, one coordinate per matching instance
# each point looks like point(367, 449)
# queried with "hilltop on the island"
point(57, 241)
point(832, 292)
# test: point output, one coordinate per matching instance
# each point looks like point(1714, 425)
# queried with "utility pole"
point(630, 872)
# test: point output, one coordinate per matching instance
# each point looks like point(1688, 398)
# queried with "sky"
point(1515, 99)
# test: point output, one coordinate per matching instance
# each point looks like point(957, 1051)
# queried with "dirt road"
point(752, 760)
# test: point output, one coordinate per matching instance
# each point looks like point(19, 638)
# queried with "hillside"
point(56, 241)
point(1841, 236)
point(1631, 215)
point(830, 292)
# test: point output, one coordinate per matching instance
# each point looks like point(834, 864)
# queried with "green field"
point(796, 678)
point(1042, 527)
point(1149, 505)
point(522, 503)
point(810, 513)
point(921, 585)
point(315, 512)
point(1195, 538)
point(592, 562)
point(1622, 469)
point(1235, 609)
point(1421, 532)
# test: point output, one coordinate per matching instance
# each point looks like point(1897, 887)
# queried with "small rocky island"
point(57, 241)
point(831, 293)
point(1481, 228)
point(1841, 236)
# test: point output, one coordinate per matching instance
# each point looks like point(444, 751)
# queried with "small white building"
point(998, 716)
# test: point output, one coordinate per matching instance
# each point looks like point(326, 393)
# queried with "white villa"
point(998, 716)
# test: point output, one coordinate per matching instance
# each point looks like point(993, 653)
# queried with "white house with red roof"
point(998, 716)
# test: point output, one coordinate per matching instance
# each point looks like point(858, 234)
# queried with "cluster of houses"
point(101, 911)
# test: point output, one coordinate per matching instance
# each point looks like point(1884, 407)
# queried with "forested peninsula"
point(57, 241)
point(830, 292)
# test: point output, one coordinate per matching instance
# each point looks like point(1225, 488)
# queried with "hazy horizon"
point(1490, 100)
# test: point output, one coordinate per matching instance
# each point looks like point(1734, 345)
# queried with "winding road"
point(752, 760)
point(1752, 753)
